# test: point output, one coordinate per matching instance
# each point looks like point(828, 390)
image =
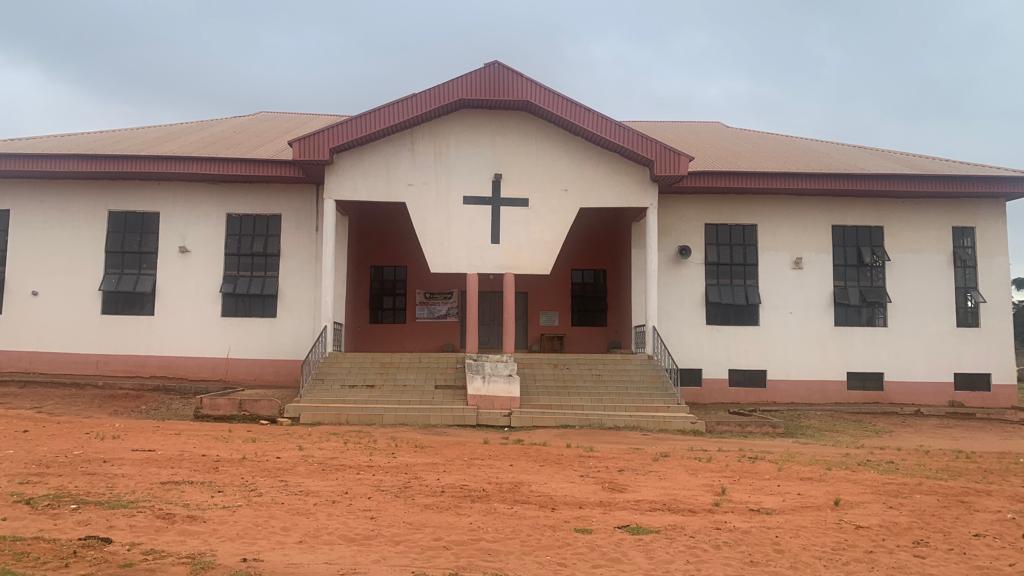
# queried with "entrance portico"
point(558, 206)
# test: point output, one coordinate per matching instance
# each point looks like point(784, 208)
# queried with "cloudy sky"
point(929, 76)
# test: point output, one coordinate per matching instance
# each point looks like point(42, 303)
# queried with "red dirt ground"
point(839, 495)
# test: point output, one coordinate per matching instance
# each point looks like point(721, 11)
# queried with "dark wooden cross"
point(495, 201)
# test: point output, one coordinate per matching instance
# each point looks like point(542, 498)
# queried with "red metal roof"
point(494, 86)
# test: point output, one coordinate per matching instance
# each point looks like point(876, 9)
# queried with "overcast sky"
point(933, 77)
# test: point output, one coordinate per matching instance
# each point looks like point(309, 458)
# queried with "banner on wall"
point(437, 306)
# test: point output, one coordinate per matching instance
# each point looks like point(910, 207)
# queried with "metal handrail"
point(338, 341)
point(317, 352)
point(639, 339)
point(664, 357)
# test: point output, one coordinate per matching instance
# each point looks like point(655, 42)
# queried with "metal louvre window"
point(387, 294)
point(748, 378)
point(5, 225)
point(865, 381)
point(972, 382)
point(252, 265)
point(965, 278)
point(732, 296)
point(858, 274)
point(589, 297)
point(129, 269)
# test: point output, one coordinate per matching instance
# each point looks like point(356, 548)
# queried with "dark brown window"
point(732, 297)
point(387, 294)
point(129, 268)
point(5, 224)
point(589, 297)
point(865, 381)
point(748, 378)
point(252, 266)
point(965, 278)
point(972, 382)
point(858, 274)
point(691, 377)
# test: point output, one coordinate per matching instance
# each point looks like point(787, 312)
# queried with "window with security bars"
point(5, 224)
point(858, 274)
point(387, 294)
point(732, 296)
point(129, 268)
point(252, 266)
point(965, 278)
point(589, 297)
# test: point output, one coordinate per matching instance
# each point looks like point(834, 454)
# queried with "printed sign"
point(437, 306)
point(549, 318)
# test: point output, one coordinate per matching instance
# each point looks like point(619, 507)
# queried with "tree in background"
point(1018, 312)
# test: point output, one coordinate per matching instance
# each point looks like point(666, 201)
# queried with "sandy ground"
point(839, 495)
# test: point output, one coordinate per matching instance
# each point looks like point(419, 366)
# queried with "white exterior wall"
point(432, 166)
point(56, 246)
point(797, 339)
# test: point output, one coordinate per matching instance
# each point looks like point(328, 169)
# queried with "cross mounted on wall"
point(495, 201)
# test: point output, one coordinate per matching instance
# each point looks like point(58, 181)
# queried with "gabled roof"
point(494, 86)
point(722, 148)
point(262, 135)
point(292, 147)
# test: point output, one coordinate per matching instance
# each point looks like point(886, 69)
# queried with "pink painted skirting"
point(251, 372)
point(717, 390)
point(488, 402)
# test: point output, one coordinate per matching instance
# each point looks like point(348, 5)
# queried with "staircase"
point(602, 390)
point(386, 388)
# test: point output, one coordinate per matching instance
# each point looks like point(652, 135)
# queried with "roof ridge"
point(877, 149)
point(125, 129)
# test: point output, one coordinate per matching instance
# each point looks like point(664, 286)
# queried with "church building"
point(491, 219)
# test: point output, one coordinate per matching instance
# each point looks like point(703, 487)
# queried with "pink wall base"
point(717, 390)
point(487, 402)
point(251, 372)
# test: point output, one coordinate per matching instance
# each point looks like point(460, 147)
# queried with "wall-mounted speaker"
point(684, 251)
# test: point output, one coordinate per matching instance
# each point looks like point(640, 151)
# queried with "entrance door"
point(490, 321)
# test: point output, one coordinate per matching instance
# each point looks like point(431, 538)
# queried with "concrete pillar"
point(328, 230)
point(508, 313)
point(651, 273)
point(472, 313)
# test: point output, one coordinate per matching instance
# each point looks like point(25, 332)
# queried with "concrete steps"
point(642, 420)
point(388, 414)
point(399, 388)
point(628, 391)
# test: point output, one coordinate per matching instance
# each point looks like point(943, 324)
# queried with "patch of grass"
point(660, 456)
point(717, 502)
point(543, 444)
point(583, 531)
point(199, 563)
point(126, 565)
point(5, 571)
point(242, 573)
point(11, 538)
point(486, 441)
point(832, 429)
point(67, 499)
point(723, 490)
point(637, 530)
point(837, 501)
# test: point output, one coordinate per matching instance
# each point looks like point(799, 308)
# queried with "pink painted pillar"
point(508, 313)
point(472, 313)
